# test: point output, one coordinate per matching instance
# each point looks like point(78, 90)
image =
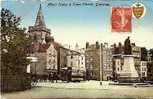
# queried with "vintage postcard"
point(76, 49)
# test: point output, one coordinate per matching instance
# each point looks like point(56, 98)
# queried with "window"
point(118, 69)
point(118, 62)
point(121, 67)
point(71, 64)
point(144, 69)
point(50, 54)
point(143, 74)
point(53, 66)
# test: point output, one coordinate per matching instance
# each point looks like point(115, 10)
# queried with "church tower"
point(39, 33)
point(40, 18)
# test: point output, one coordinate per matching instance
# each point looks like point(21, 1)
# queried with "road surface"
point(91, 89)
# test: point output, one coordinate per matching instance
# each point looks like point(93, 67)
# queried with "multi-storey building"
point(93, 61)
point(143, 64)
point(136, 51)
point(107, 62)
point(150, 65)
point(82, 59)
point(143, 70)
point(75, 62)
point(73, 59)
point(144, 54)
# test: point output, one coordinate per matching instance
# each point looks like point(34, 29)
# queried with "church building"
point(42, 48)
point(51, 56)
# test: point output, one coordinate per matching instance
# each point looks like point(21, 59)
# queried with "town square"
point(51, 51)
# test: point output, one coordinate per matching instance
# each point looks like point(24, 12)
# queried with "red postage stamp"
point(121, 20)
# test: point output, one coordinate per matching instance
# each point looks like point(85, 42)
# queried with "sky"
point(80, 24)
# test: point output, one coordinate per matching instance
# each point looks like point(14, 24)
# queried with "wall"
point(52, 58)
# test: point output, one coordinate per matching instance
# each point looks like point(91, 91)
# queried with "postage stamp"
point(121, 19)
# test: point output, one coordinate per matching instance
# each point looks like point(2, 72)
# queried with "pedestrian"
point(135, 85)
point(56, 77)
point(51, 77)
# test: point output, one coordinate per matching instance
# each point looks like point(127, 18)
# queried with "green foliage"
point(14, 42)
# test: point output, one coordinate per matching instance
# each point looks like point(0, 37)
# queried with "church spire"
point(40, 18)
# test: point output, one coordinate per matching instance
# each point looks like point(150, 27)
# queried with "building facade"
point(93, 61)
point(73, 59)
point(82, 59)
point(136, 51)
point(107, 62)
point(143, 70)
point(52, 58)
point(150, 65)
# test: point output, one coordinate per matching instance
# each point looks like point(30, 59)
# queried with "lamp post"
point(100, 67)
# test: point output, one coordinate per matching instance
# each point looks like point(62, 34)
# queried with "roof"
point(56, 45)
point(38, 47)
point(40, 18)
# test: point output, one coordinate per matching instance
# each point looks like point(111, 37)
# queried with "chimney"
point(87, 45)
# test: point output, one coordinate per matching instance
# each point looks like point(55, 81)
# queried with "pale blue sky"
point(72, 25)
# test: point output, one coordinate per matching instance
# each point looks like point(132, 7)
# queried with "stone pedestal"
point(128, 72)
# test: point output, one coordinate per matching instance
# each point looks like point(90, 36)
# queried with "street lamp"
point(100, 67)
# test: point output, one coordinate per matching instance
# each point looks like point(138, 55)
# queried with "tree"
point(14, 42)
